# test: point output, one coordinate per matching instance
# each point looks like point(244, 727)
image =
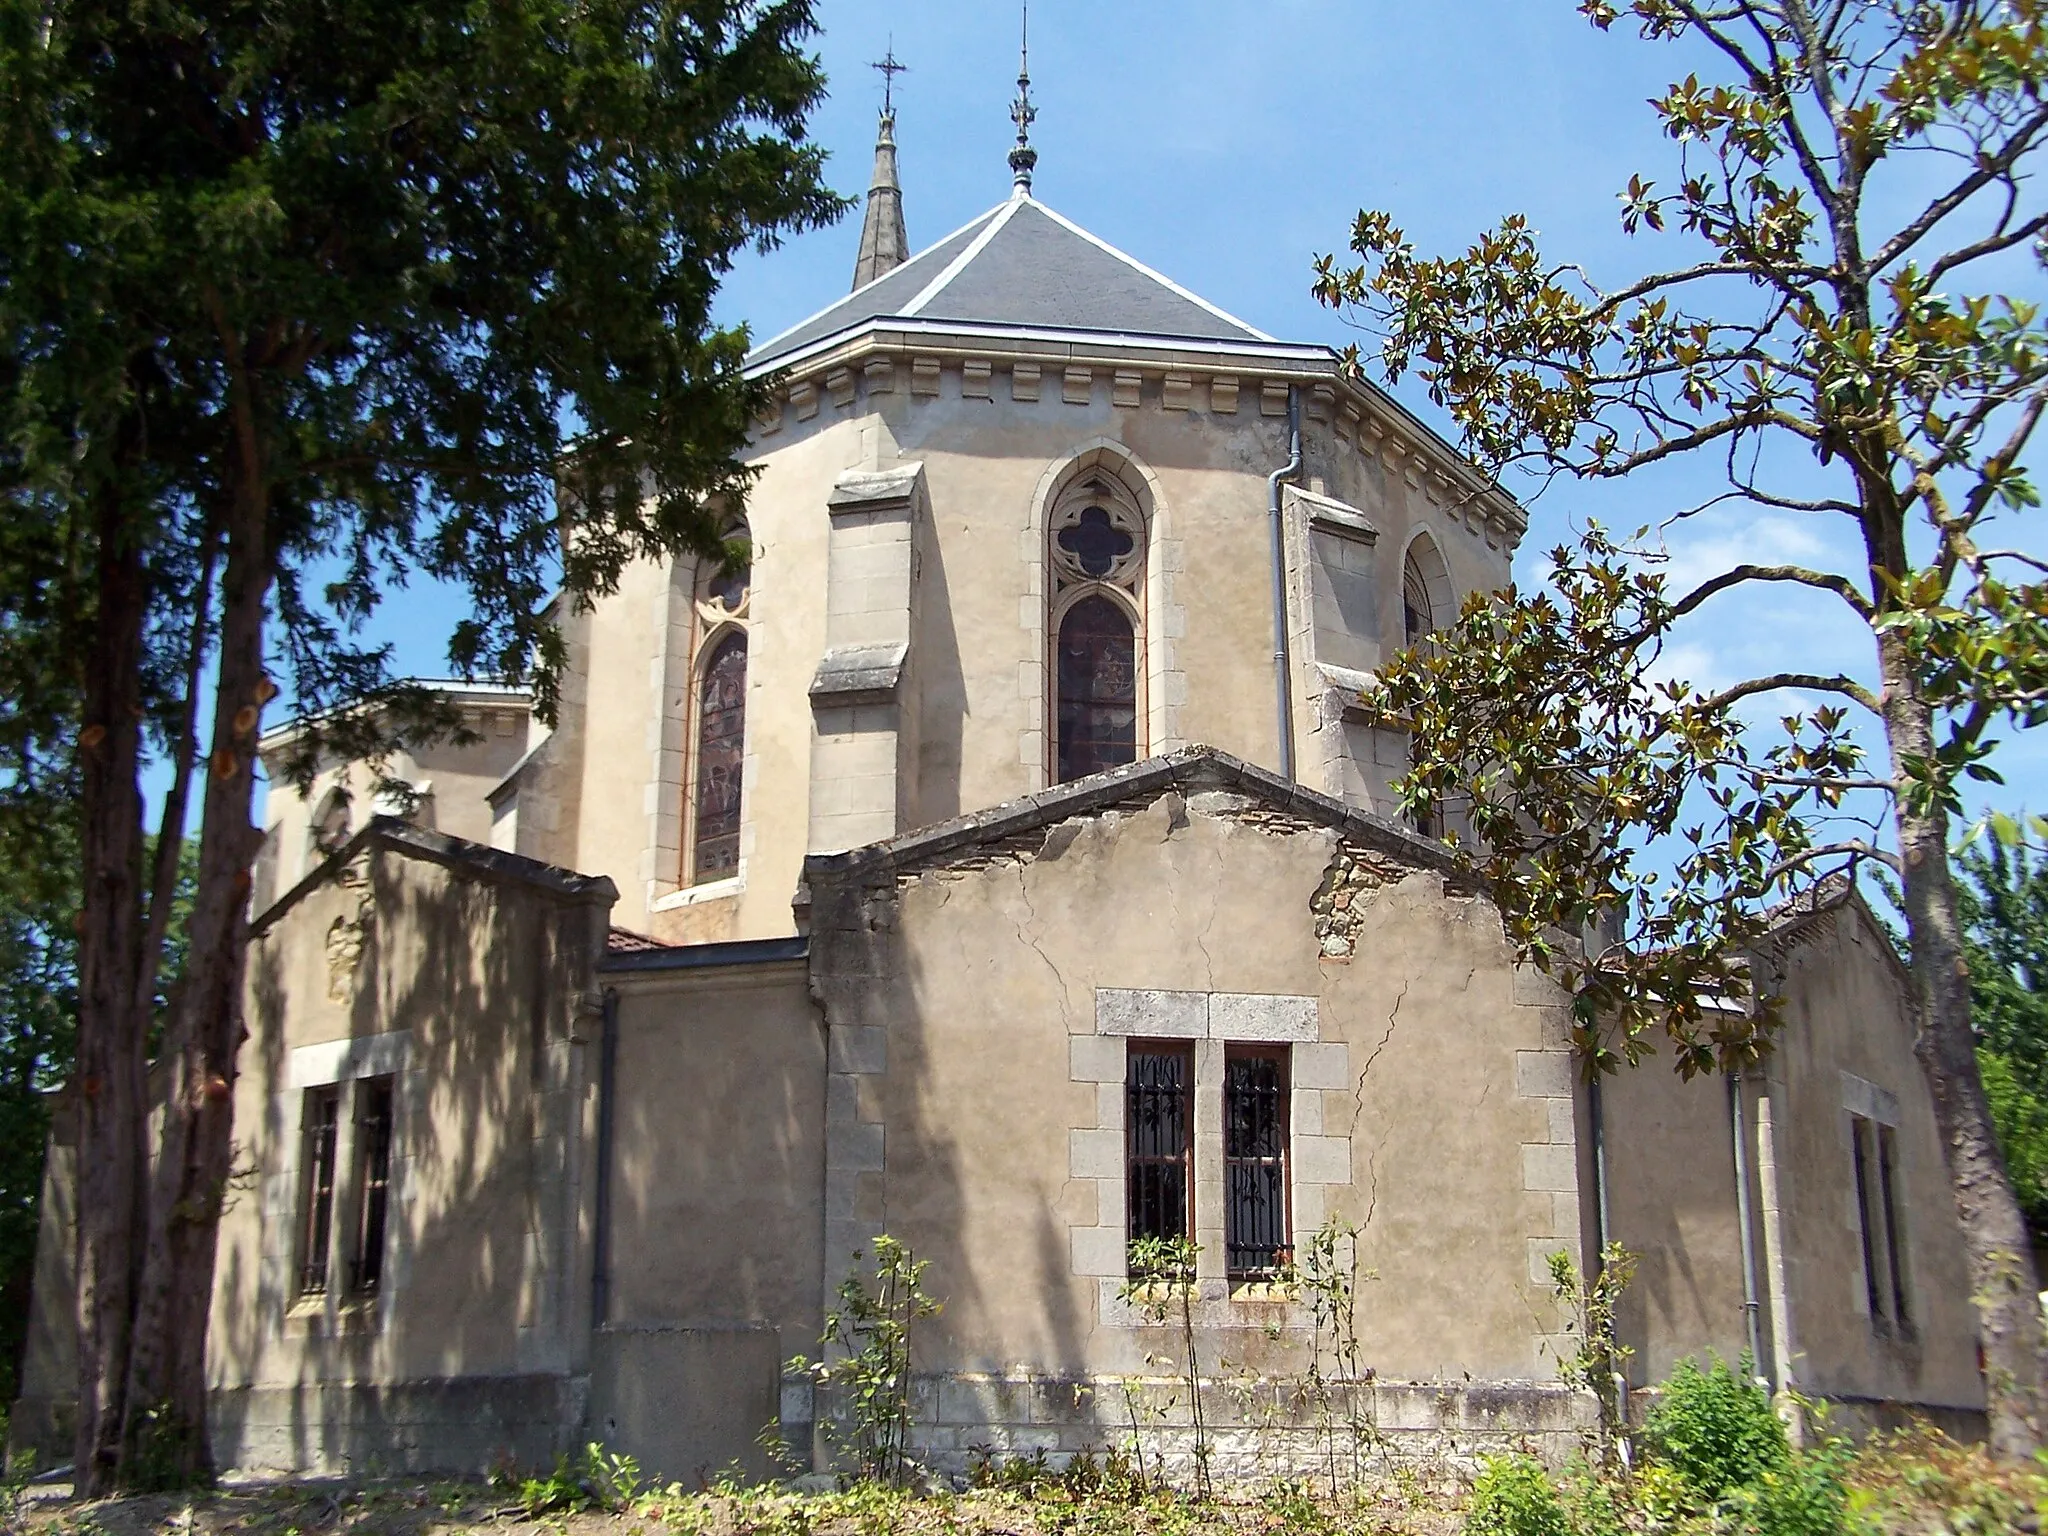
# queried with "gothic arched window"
point(721, 740)
point(331, 826)
point(1426, 596)
point(1423, 569)
point(1415, 614)
point(1097, 559)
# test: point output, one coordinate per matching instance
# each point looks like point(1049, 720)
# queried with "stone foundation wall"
point(1256, 1430)
point(463, 1425)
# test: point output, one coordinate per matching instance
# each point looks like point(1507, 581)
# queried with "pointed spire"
point(884, 244)
point(1023, 159)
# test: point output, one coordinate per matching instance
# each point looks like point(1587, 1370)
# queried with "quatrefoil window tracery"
point(1096, 538)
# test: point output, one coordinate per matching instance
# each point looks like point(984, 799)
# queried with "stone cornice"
point(1351, 414)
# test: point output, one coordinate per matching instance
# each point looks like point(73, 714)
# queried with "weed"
point(598, 1479)
point(1161, 1284)
point(1598, 1360)
point(868, 1341)
point(1327, 1274)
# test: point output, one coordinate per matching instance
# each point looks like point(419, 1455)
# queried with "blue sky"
point(1226, 144)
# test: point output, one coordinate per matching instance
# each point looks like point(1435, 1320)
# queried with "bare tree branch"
point(1987, 172)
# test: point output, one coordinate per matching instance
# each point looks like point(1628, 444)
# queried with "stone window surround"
point(334, 1063)
point(1212, 1021)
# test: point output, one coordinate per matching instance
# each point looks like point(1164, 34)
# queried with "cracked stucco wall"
point(975, 1109)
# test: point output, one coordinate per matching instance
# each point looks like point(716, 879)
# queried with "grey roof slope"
point(1021, 265)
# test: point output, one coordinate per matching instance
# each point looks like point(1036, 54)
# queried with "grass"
point(1916, 1483)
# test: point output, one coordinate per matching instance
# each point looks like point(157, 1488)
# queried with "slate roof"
point(1021, 266)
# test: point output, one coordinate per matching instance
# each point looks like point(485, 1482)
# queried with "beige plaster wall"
point(1847, 1012)
point(464, 986)
point(43, 1417)
point(718, 1151)
point(977, 1103)
point(1672, 1200)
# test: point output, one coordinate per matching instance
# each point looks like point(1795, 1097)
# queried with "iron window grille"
point(1255, 1227)
point(373, 1182)
point(1159, 1138)
point(319, 1121)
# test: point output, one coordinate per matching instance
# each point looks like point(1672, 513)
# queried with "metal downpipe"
point(601, 1219)
point(1283, 692)
point(1739, 1134)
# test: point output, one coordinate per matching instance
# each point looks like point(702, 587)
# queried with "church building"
point(1004, 861)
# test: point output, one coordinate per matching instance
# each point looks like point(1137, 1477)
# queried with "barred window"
point(1255, 1234)
point(1159, 1134)
point(319, 1121)
point(373, 1181)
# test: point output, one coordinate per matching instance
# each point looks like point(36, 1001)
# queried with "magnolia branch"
point(1810, 682)
point(1854, 850)
point(1991, 168)
point(1826, 581)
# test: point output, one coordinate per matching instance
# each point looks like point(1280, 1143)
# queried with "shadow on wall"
point(463, 1351)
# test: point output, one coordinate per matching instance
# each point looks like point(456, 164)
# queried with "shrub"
point(1513, 1497)
point(1717, 1430)
point(1806, 1497)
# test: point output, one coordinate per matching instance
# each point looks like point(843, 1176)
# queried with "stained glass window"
point(331, 826)
point(721, 738)
point(728, 586)
point(1159, 1135)
point(1098, 689)
point(1255, 1161)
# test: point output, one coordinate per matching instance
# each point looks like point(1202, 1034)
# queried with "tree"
point(2004, 901)
point(299, 300)
point(38, 1004)
point(1829, 362)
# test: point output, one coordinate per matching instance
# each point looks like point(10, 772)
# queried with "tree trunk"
point(2003, 1284)
point(110, 1077)
point(166, 1438)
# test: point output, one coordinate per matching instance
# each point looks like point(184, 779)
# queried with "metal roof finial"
point(1023, 159)
point(890, 70)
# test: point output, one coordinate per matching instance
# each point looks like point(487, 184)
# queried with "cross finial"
point(890, 70)
point(1023, 158)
